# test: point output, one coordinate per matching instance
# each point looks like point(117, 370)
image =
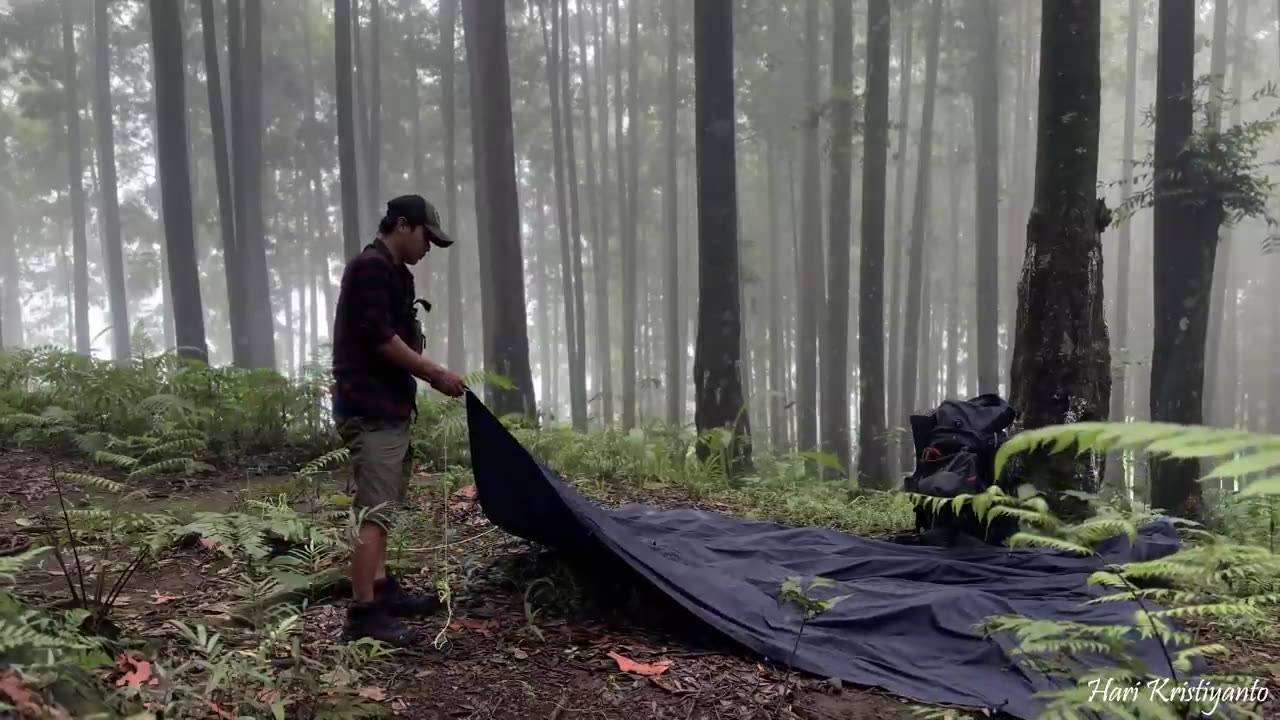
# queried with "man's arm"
point(398, 352)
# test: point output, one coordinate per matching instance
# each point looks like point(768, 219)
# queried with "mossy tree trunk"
point(1061, 358)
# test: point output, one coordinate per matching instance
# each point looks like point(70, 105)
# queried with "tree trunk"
point(812, 295)
point(593, 189)
point(630, 239)
point(175, 178)
point(1185, 240)
point(226, 199)
point(578, 343)
point(346, 130)
point(986, 120)
point(896, 253)
point(719, 400)
point(551, 46)
point(675, 346)
point(12, 330)
point(600, 251)
point(75, 173)
point(777, 348)
point(873, 470)
point(915, 254)
point(1122, 356)
point(457, 353)
point(485, 29)
point(835, 386)
point(373, 123)
point(542, 296)
point(109, 212)
point(1216, 410)
point(251, 229)
point(953, 302)
point(1061, 357)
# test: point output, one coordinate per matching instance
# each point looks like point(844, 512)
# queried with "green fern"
point(1248, 453)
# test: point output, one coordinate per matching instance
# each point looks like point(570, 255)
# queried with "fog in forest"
point(192, 176)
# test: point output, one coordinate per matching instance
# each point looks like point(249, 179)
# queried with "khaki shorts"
point(381, 464)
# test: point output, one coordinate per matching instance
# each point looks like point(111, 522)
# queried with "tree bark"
point(11, 321)
point(486, 40)
point(109, 219)
point(896, 253)
point(175, 178)
point(551, 46)
point(630, 239)
point(675, 341)
point(75, 174)
point(813, 294)
point(226, 199)
point(1216, 410)
point(835, 386)
point(986, 120)
point(1061, 357)
point(593, 190)
point(457, 352)
point(1185, 239)
point(251, 227)
point(1122, 356)
point(578, 342)
point(600, 251)
point(953, 302)
point(915, 254)
point(719, 398)
point(346, 130)
point(873, 470)
point(373, 125)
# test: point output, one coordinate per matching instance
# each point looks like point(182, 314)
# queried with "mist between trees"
point(802, 219)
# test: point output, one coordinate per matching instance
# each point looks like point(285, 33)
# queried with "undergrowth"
point(163, 416)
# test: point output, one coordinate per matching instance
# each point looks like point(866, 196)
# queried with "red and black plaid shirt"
point(375, 303)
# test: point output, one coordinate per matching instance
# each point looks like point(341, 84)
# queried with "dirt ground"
point(492, 662)
point(527, 635)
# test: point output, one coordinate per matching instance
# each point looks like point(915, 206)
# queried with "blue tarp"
point(907, 625)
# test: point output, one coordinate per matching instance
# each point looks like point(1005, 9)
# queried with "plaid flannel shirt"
point(374, 305)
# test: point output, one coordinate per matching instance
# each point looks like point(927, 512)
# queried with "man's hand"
point(444, 380)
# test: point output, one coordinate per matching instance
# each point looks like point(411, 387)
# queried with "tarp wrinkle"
point(908, 625)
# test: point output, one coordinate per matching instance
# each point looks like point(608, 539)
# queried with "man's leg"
point(368, 562)
point(377, 454)
point(386, 587)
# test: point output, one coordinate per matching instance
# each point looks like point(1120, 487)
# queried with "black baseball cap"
point(417, 211)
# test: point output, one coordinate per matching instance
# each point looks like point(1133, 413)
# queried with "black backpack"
point(956, 445)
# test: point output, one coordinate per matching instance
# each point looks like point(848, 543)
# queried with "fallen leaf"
point(468, 492)
point(26, 701)
point(56, 572)
point(375, 694)
point(221, 713)
point(519, 654)
point(159, 598)
point(628, 665)
point(484, 627)
point(269, 696)
point(137, 671)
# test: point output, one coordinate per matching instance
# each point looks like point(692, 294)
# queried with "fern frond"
point(1093, 532)
point(1025, 539)
point(327, 461)
point(84, 479)
point(190, 445)
point(162, 466)
point(124, 462)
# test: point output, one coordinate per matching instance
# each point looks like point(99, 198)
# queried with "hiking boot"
point(389, 593)
point(371, 620)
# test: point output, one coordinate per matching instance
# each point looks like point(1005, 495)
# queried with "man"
point(377, 353)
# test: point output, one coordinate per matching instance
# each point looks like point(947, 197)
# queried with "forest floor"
point(526, 635)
